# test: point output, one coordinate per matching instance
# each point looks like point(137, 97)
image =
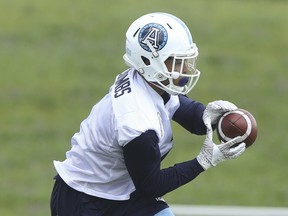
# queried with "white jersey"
point(95, 164)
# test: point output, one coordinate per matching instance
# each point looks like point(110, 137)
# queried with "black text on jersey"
point(122, 85)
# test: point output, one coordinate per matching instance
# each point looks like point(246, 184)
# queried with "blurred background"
point(59, 57)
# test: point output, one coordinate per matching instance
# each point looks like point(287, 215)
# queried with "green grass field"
point(58, 58)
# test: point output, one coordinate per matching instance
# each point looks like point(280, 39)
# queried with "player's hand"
point(212, 154)
point(214, 110)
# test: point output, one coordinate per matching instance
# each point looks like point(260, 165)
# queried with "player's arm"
point(142, 158)
point(189, 115)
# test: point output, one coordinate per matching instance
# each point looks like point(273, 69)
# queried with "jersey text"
point(122, 85)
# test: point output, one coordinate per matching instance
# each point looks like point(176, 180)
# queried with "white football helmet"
point(151, 40)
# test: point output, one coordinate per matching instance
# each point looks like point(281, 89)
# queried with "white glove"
point(214, 110)
point(212, 154)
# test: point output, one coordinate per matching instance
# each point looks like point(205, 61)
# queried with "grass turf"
point(58, 58)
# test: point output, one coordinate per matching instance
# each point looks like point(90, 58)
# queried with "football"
point(237, 123)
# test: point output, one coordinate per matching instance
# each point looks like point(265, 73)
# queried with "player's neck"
point(157, 89)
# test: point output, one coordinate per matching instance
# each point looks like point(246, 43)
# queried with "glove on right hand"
point(214, 110)
point(212, 154)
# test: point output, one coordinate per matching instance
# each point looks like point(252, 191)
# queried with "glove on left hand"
point(212, 154)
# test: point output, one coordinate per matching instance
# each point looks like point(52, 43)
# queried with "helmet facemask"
point(179, 74)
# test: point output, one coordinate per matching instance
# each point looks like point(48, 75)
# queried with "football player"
point(114, 164)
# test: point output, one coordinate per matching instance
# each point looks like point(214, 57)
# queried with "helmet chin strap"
point(173, 90)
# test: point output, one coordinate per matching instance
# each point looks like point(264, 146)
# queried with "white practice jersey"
point(95, 164)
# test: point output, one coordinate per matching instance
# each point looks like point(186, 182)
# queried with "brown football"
point(237, 123)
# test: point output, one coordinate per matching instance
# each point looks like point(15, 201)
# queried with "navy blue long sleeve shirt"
point(143, 159)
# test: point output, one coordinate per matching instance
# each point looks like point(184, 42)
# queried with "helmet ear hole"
point(145, 60)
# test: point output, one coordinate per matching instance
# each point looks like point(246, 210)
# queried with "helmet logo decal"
point(155, 34)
